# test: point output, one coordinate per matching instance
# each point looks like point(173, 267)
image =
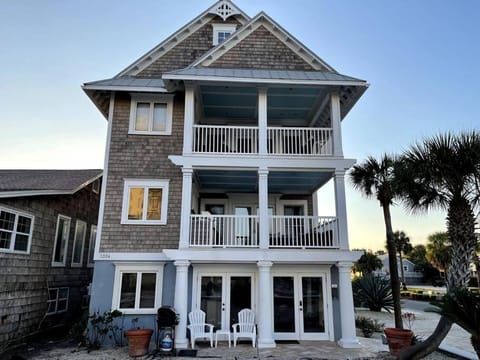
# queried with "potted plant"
point(138, 340)
point(399, 339)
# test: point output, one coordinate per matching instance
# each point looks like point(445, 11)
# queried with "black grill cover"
point(166, 316)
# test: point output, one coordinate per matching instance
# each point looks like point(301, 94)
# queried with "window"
point(222, 32)
point(91, 245)
point(96, 186)
point(137, 288)
point(151, 115)
point(15, 231)
point(145, 202)
point(79, 243)
point(61, 241)
point(57, 300)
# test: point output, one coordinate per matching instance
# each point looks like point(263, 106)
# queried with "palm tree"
point(375, 178)
point(402, 243)
point(439, 251)
point(367, 264)
point(443, 172)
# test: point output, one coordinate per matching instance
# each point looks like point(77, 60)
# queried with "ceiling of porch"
point(246, 181)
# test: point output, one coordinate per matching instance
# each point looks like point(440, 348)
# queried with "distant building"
point(412, 276)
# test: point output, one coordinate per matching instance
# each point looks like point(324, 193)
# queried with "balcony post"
point(265, 311)
point(186, 208)
point(347, 315)
point(189, 115)
point(262, 121)
point(181, 302)
point(263, 235)
point(336, 124)
point(341, 209)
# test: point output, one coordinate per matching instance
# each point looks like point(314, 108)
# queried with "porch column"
point(181, 302)
point(262, 121)
point(189, 115)
point(186, 208)
point(341, 209)
point(263, 208)
point(264, 308)
point(347, 315)
point(336, 124)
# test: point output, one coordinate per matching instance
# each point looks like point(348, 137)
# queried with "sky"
point(420, 58)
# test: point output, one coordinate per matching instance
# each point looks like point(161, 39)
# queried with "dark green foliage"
point(373, 292)
point(78, 331)
point(102, 326)
point(367, 264)
point(368, 326)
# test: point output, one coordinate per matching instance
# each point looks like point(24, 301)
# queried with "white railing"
point(223, 231)
point(303, 232)
point(225, 139)
point(300, 141)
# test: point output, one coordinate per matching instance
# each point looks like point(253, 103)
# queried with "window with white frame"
point(91, 245)
point(145, 202)
point(151, 114)
point(16, 229)
point(61, 241)
point(79, 243)
point(96, 186)
point(57, 300)
point(137, 288)
point(222, 32)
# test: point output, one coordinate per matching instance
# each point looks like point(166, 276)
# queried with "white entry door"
point(300, 307)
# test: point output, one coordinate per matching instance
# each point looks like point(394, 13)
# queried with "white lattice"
point(225, 9)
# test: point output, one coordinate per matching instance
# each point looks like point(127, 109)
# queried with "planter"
point(138, 341)
point(398, 339)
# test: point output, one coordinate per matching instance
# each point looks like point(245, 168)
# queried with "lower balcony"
point(233, 231)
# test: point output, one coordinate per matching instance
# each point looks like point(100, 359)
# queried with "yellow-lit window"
point(146, 201)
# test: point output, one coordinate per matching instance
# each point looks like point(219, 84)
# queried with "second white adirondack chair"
point(245, 328)
point(198, 328)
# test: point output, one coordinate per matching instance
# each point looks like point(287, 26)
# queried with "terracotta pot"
point(138, 341)
point(398, 339)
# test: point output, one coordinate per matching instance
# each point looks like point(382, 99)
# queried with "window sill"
point(138, 311)
point(143, 222)
point(157, 133)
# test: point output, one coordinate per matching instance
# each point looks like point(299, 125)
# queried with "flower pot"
point(398, 339)
point(138, 341)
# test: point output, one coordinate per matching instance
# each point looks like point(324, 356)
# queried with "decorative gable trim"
point(262, 19)
point(222, 8)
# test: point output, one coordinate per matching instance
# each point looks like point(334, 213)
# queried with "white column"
point(263, 234)
point(181, 302)
point(336, 124)
point(347, 315)
point(264, 308)
point(262, 121)
point(189, 115)
point(186, 208)
point(341, 208)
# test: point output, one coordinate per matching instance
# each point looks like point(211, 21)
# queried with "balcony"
point(244, 140)
point(231, 231)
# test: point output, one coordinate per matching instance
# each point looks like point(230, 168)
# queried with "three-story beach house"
point(218, 140)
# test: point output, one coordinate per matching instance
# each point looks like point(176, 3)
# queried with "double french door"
point(221, 297)
point(300, 307)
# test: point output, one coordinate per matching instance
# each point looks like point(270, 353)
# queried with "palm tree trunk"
point(392, 262)
point(401, 267)
point(422, 349)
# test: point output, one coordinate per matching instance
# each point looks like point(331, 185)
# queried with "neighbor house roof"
point(15, 183)
point(127, 83)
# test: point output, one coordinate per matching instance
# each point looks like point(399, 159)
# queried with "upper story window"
point(61, 241)
point(79, 243)
point(15, 231)
point(151, 114)
point(96, 186)
point(145, 202)
point(222, 32)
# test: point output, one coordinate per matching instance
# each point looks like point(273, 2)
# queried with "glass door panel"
point(284, 304)
point(313, 305)
point(211, 299)
point(240, 296)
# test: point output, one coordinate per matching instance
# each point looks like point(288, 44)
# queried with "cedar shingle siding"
point(142, 157)
point(261, 50)
point(25, 278)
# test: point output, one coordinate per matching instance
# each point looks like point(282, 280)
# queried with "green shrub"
point(373, 292)
point(368, 326)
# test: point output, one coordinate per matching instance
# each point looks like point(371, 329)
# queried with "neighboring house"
point(218, 139)
point(412, 276)
point(47, 233)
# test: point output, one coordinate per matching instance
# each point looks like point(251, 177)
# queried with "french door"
point(222, 296)
point(300, 307)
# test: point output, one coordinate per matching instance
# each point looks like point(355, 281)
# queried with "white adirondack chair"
point(245, 328)
point(198, 328)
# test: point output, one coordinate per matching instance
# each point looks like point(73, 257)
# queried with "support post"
point(189, 115)
point(341, 209)
point(262, 121)
point(265, 312)
point(264, 236)
point(335, 116)
point(186, 208)
point(181, 303)
point(347, 314)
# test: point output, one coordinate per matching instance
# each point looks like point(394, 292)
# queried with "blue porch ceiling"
point(246, 181)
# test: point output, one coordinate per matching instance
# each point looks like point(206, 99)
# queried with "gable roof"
point(262, 19)
point(15, 183)
point(222, 8)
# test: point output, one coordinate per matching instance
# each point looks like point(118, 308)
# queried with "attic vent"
point(224, 9)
